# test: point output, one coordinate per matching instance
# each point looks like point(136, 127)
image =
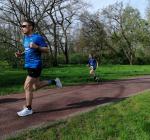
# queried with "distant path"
point(53, 104)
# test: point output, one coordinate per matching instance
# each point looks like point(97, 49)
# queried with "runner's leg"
point(28, 87)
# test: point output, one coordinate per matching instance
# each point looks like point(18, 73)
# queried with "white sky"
point(100, 4)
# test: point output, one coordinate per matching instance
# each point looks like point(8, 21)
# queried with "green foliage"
point(128, 31)
point(61, 59)
point(114, 58)
point(4, 65)
point(114, 35)
point(78, 58)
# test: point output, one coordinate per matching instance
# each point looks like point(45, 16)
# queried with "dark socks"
point(29, 107)
point(51, 82)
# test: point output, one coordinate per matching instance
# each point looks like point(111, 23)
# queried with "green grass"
point(11, 81)
point(125, 120)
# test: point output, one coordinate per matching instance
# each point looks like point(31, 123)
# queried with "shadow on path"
point(10, 100)
point(83, 104)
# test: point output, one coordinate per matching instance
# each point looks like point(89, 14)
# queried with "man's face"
point(26, 28)
point(90, 56)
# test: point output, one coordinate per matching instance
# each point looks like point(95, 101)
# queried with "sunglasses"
point(25, 26)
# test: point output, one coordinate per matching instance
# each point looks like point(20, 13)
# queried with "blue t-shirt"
point(33, 56)
point(92, 62)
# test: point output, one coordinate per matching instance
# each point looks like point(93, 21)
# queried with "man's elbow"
point(46, 50)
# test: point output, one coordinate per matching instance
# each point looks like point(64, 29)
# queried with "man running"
point(92, 64)
point(34, 45)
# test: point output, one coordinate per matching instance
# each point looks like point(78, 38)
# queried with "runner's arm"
point(41, 49)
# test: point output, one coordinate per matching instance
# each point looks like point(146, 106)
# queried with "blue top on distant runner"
point(32, 55)
point(92, 62)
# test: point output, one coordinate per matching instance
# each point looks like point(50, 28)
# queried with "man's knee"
point(29, 83)
point(28, 86)
point(35, 86)
point(91, 72)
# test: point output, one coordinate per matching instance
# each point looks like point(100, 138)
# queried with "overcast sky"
point(99, 4)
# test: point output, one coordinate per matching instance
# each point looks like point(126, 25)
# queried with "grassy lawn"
point(125, 120)
point(11, 81)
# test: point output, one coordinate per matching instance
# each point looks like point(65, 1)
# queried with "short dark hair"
point(31, 23)
point(93, 55)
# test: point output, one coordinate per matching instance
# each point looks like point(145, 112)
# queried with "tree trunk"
point(66, 50)
point(131, 59)
point(66, 57)
point(55, 63)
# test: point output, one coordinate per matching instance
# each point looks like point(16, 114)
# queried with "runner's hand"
point(32, 45)
point(18, 54)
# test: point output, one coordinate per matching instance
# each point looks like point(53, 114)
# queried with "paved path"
point(54, 104)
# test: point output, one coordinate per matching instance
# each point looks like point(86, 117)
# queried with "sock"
point(51, 82)
point(29, 107)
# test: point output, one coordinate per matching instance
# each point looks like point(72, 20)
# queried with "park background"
point(118, 34)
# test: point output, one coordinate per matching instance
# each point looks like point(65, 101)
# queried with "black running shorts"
point(34, 72)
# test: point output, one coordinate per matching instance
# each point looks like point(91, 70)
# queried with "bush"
point(142, 61)
point(78, 58)
point(61, 59)
point(114, 59)
point(4, 65)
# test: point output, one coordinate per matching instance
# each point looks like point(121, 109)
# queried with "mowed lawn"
point(125, 120)
point(12, 80)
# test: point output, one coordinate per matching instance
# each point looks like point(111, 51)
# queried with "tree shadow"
point(84, 104)
point(95, 102)
point(10, 100)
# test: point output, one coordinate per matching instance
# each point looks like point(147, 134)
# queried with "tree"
point(122, 24)
point(67, 14)
point(92, 35)
point(148, 11)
